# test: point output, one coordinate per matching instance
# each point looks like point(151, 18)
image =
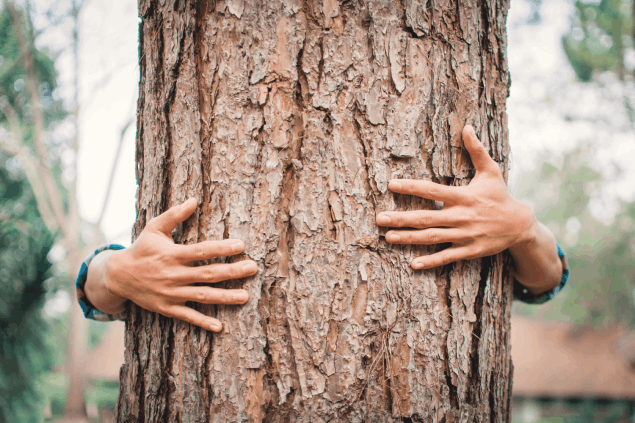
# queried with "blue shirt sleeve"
point(89, 310)
point(523, 294)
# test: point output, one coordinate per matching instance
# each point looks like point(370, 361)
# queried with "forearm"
point(537, 265)
point(97, 282)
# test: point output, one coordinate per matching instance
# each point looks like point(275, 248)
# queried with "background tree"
point(25, 242)
point(286, 120)
point(27, 79)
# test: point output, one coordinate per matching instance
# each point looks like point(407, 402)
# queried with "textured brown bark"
point(287, 119)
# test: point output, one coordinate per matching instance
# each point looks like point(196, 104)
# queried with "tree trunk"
point(287, 119)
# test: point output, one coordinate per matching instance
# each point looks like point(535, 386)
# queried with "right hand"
point(153, 273)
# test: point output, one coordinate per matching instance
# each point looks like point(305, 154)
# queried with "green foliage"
point(55, 389)
point(102, 393)
point(601, 256)
point(599, 36)
point(24, 270)
point(13, 76)
point(587, 410)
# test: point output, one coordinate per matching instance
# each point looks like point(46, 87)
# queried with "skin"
point(479, 220)
point(154, 273)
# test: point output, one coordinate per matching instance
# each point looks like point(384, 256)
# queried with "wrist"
point(97, 287)
point(529, 228)
point(112, 274)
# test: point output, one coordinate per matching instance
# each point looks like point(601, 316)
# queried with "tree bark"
point(287, 119)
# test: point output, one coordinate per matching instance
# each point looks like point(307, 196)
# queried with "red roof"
point(558, 360)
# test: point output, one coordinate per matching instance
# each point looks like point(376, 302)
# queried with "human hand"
point(480, 219)
point(153, 273)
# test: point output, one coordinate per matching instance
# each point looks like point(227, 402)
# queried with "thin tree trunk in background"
point(286, 120)
point(50, 203)
point(76, 348)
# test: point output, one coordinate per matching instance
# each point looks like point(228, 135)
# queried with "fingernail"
point(216, 327)
point(250, 267)
point(393, 237)
point(241, 297)
point(383, 219)
point(394, 185)
point(237, 246)
point(417, 265)
point(188, 202)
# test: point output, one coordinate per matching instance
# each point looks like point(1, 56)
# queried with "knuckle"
point(424, 220)
point(160, 290)
point(152, 222)
point(432, 189)
point(201, 296)
point(163, 275)
point(209, 274)
point(169, 275)
point(199, 252)
point(164, 310)
point(469, 199)
point(433, 237)
point(478, 251)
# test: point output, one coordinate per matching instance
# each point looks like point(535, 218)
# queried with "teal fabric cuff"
point(521, 293)
point(89, 310)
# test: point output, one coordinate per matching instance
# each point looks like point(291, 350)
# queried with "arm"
point(154, 273)
point(480, 219)
point(537, 265)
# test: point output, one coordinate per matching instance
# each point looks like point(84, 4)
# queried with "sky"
point(548, 110)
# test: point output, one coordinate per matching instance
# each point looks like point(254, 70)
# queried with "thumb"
point(480, 158)
point(167, 221)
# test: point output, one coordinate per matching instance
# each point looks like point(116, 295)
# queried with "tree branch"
point(43, 169)
point(112, 171)
point(17, 149)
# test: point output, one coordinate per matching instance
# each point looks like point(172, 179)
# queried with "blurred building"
point(563, 371)
point(559, 370)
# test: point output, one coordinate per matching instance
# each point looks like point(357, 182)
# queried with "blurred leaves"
point(24, 269)
point(600, 38)
point(13, 76)
point(567, 196)
point(25, 242)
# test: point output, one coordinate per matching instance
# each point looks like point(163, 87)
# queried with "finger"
point(209, 295)
point(425, 189)
point(209, 249)
point(167, 221)
point(192, 316)
point(480, 158)
point(415, 219)
point(447, 256)
point(217, 272)
point(426, 236)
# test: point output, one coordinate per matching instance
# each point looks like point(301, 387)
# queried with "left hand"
point(481, 219)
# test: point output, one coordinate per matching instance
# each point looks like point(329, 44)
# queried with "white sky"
point(547, 109)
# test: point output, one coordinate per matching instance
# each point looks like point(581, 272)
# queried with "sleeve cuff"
point(523, 294)
point(90, 312)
